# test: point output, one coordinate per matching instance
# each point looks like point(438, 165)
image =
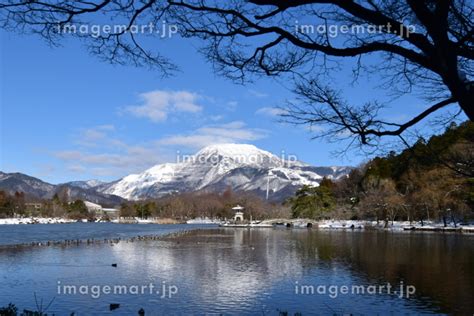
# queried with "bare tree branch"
point(420, 45)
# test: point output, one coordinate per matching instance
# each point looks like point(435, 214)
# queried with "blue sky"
point(65, 115)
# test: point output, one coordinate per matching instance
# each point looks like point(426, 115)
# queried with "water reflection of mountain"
point(245, 271)
point(223, 268)
point(228, 267)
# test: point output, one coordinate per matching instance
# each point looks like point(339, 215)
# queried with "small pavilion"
point(239, 214)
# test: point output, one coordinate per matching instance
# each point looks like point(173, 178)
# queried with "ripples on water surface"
point(19, 234)
point(239, 271)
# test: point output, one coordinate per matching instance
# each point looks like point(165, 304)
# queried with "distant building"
point(111, 212)
point(99, 210)
point(92, 207)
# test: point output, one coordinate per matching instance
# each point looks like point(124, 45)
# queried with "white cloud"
point(233, 132)
point(76, 168)
point(100, 152)
point(315, 128)
point(270, 111)
point(90, 136)
point(258, 94)
point(157, 105)
point(216, 118)
point(131, 156)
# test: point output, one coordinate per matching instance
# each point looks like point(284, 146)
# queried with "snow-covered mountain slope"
point(216, 167)
point(88, 184)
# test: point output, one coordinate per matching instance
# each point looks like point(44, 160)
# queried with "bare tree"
point(423, 46)
point(460, 159)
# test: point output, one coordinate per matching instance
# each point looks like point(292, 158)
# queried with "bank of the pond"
point(295, 223)
point(61, 220)
point(396, 225)
point(356, 225)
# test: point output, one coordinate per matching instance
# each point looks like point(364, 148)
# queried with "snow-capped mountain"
point(216, 167)
point(88, 184)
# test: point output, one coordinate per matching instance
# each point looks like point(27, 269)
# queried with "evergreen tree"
point(312, 202)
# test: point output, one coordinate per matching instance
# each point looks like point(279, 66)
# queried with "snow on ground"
point(34, 220)
point(338, 224)
point(204, 220)
point(325, 224)
point(395, 226)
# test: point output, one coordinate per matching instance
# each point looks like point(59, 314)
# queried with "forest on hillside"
point(432, 180)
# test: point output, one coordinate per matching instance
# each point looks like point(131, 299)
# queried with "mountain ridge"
point(214, 168)
point(37, 189)
point(242, 167)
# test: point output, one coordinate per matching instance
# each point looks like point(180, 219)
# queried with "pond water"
point(242, 271)
point(20, 234)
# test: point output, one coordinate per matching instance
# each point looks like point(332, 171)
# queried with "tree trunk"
point(460, 87)
point(467, 104)
point(454, 220)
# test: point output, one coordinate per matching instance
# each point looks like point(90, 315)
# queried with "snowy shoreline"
point(323, 224)
point(390, 226)
point(35, 220)
point(59, 220)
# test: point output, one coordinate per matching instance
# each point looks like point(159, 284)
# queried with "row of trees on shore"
point(205, 204)
point(18, 204)
point(181, 207)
